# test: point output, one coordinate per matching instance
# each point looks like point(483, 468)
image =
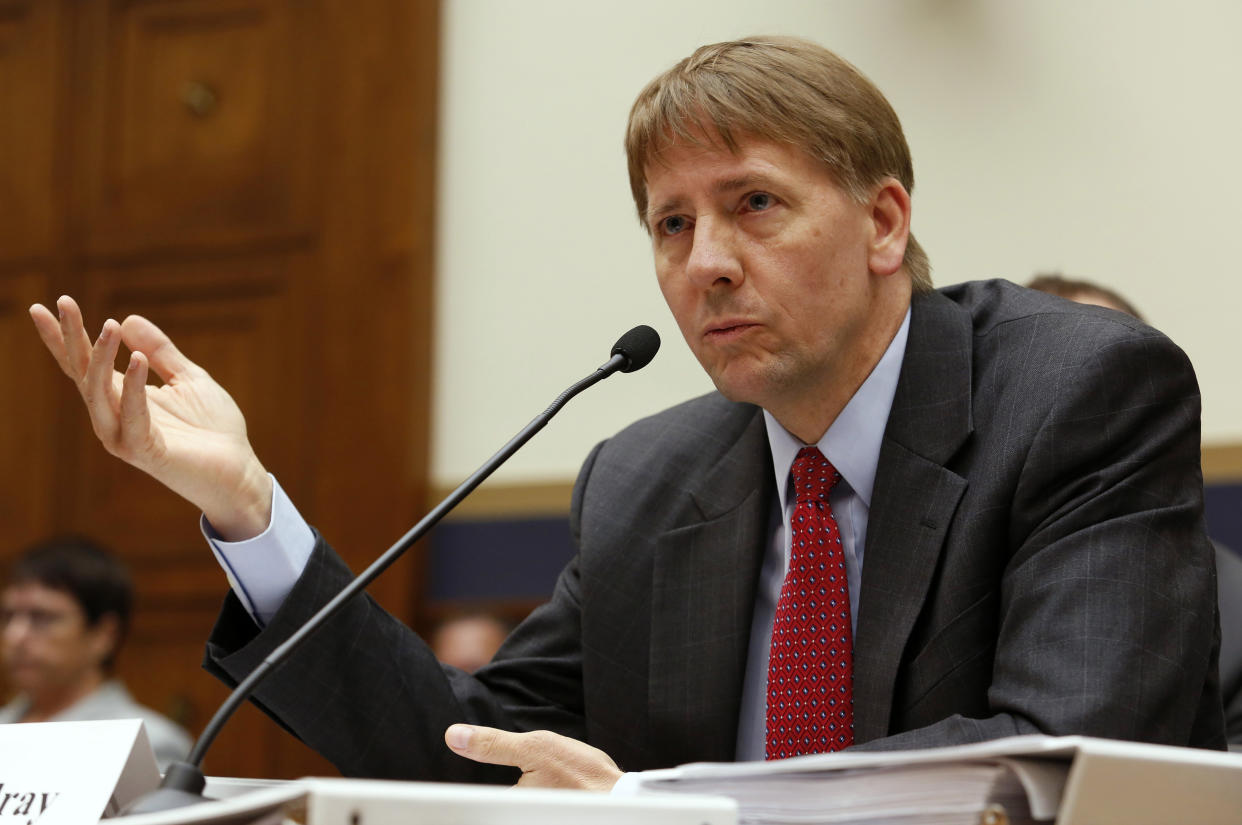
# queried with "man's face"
point(47, 642)
point(764, 262)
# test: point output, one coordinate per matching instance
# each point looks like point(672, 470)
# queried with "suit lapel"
point(704, 580)
point(913, 502)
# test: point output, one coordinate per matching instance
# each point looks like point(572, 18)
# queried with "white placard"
point(380, 802)
point(70, 773)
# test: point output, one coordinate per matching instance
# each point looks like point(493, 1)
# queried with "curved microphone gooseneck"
point(183, 782)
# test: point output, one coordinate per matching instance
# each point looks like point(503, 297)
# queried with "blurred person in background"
point(1228, 563)
point(1083, 292)
point(468, 641)
point(65, 611)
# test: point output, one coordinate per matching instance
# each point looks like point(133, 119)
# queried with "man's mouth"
point(729, 330)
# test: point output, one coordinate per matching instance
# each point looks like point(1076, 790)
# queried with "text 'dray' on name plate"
point(69, 773)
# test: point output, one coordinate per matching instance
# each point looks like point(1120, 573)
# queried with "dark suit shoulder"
point(708, 424)
point(702, 456)
point(1026, 341)
point(995, 303)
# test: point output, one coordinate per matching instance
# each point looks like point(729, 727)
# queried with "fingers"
point(143, 336)
point(64, 335)
point(117, 404)
point(98, 387)
point(49, 331)
point(122, 423)
point(546, 759)
point(492, 746)
point(73, 332)
point(135, 414)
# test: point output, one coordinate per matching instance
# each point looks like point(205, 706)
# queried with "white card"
point(68, 773)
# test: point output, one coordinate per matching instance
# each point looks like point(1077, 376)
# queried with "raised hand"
point(188, 434)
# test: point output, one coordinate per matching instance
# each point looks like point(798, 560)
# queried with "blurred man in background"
point(468, 641)
point(1082, 292)
point(65, 612)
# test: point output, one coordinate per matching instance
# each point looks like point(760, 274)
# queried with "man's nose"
point(15, 629)
point(713, 257)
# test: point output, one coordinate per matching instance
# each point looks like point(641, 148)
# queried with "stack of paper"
point(1072, 780)
point(959, 793)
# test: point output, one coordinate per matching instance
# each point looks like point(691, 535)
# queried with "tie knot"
point(813, 475)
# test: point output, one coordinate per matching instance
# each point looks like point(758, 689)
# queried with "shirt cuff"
point(262, 570)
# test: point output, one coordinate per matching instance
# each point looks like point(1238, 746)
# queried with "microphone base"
point(181, 787)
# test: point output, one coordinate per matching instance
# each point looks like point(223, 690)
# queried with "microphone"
point(183, 782)
point(638, 347)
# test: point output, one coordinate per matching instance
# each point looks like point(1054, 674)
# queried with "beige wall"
point(1095, 136)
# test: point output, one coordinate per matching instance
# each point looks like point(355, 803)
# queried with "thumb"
point(141, 335)
point(546, 759)
point(488, 745)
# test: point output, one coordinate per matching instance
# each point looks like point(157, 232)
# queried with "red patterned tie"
point(811, 665)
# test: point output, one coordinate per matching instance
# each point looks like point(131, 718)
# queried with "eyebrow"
point(720, 187)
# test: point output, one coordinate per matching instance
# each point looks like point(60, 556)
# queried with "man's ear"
point(890, 227)
point(105, 638)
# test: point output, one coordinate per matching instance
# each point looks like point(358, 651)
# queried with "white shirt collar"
point(853, 441)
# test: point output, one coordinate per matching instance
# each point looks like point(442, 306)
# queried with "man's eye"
point(758, 201)
point(673, 224)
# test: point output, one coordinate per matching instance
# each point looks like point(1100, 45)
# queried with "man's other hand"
point(546, 759)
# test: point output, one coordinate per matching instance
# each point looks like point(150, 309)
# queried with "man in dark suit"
point(907, 518)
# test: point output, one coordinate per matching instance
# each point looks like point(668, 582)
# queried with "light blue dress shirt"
point(262, 570)
point(852, 444)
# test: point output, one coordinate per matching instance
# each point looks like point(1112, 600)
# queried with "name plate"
point(70, 773)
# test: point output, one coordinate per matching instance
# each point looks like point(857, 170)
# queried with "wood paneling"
point(373, 334)
point(30, 74)
point(1222, 463)
point(256, 177)
point(197, 122)
point(26, 440)
point(495, 501)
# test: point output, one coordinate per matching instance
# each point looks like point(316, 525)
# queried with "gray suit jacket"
point(1035, 561)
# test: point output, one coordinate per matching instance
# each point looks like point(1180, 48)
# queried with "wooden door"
point(255, 176)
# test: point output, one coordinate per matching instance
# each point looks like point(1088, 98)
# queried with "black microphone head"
point(638, 346)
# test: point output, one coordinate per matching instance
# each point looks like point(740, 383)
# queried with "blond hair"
point(782, 89)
